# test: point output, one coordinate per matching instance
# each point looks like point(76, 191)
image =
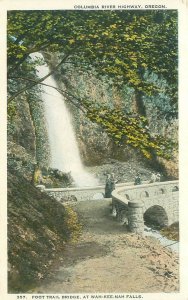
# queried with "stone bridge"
point(156, 202)
point(134, 205)
point(78, 194)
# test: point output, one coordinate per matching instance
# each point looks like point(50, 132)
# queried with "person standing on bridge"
point(158, 177)
point(110, 185)
point(113, 182)
point(153, 178)
point(137, 179)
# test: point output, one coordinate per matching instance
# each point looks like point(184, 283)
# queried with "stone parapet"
point(130, 202)
point(135, 217)
point(80, 193)
point(138, 199)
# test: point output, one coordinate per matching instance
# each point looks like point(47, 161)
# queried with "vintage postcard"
point(94, 150)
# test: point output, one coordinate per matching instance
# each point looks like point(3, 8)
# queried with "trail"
point(108, 259)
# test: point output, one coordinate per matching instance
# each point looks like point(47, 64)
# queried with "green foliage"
point(73, 225)
point(132, 130)
point(123, 46)
point(11, 110)
point(35, 113)
point(41, 135)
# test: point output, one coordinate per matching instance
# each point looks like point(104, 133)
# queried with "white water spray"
point(65, 154)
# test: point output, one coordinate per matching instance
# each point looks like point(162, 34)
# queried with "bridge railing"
point(128, 202)
point(127, 199)
point(85, 187)
point(78, 193)
point(135, 192)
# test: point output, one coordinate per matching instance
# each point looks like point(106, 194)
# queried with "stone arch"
point(98, 196)
point(127, 196)
point(144, 194)
point(161, 191)
point(156, 216)
point(175, 188)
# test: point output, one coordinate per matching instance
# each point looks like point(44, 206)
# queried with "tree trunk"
point(139, 106)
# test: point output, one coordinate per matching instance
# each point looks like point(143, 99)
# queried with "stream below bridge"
point(171, 244)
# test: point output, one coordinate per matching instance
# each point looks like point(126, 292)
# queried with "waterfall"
point(64, 150)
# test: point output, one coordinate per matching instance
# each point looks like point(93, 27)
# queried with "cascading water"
point(65, 154)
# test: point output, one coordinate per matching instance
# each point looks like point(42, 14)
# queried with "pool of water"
point(173, 245)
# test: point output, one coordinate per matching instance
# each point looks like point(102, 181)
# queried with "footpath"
point(109, 259)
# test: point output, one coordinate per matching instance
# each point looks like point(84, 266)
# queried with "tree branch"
point(62, 92)
point(38, 81)
point(20, 61)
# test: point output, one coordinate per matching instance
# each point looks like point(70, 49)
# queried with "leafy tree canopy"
point(123, 45)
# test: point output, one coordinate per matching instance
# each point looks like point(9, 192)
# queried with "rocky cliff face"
point(95, 145)
point(21, 130)
point(27, 135)
point(27, 126)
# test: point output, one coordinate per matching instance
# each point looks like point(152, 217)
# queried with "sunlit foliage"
point(124, 46)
